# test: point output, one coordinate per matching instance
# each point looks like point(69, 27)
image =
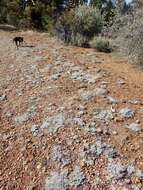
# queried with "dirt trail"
point(71, 118)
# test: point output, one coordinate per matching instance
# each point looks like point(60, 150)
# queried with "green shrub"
point(101, 44)
point(3, 12)
point(87, 21)
point(79, 25)
point(63, 26)
point(47, 23)
point(79, 40)
point(24, 22)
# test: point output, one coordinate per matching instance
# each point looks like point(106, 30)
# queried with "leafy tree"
point(3, 11)
point(69, 4)
point(107, 9)
point(121, 6)
point(39, 15)
point(98, 3)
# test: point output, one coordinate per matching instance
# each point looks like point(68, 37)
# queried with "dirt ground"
point(37, 83)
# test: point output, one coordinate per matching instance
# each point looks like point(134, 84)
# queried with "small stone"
point(135, 187)
point(57, 181)
point(22, 118)
point(79, 121)
point(114, 132)
point(93, 130)
point(101, 92)
point(32, 187)
point(104, 114)
point(47, 68)
point(138, 121)
point(112, 153)
point(3, 97)
point(87, 95)
point(9, 114)
point(98, 130)
point(116, 170)
point(128, 181)
point(93, 124)
point(112, 100)
point(121, 82)
point(90, 78)
point(39, 166)
point(76, 178)
point(78, 74)
point(80, 113)
point(104, 82)
point(118, 119)
point(99, 148)
point(35, 130)
point(124, 101)
point(57, 156)
point(131, 170)
point(52, 124)
point(134, 127)
point(127, 113)
point(139, 173)
point(93, 151)
point(103, 86)
point(56, 76)
point(135, 102)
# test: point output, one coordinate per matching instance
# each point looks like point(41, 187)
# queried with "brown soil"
point(23, 155)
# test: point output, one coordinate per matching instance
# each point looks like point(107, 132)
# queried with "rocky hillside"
point(71, 118)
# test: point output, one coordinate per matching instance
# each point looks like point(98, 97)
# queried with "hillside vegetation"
point(80, 24)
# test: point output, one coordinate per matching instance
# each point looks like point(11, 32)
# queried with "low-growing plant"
point(79, 40)
point(101, 44)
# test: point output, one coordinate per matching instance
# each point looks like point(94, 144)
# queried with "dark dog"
point(18, 41)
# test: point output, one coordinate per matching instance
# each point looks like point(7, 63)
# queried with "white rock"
point(134, 127)
point(127, 113)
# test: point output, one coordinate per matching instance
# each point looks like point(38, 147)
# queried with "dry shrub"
point(127, 32)
point(134, 44)
point(101, 44)
point(79, 40)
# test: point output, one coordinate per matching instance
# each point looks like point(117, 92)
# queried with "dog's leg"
point(17, 45)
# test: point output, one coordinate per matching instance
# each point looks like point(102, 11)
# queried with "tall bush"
point(134, 39)
point(79, 25)
point(87, 21)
